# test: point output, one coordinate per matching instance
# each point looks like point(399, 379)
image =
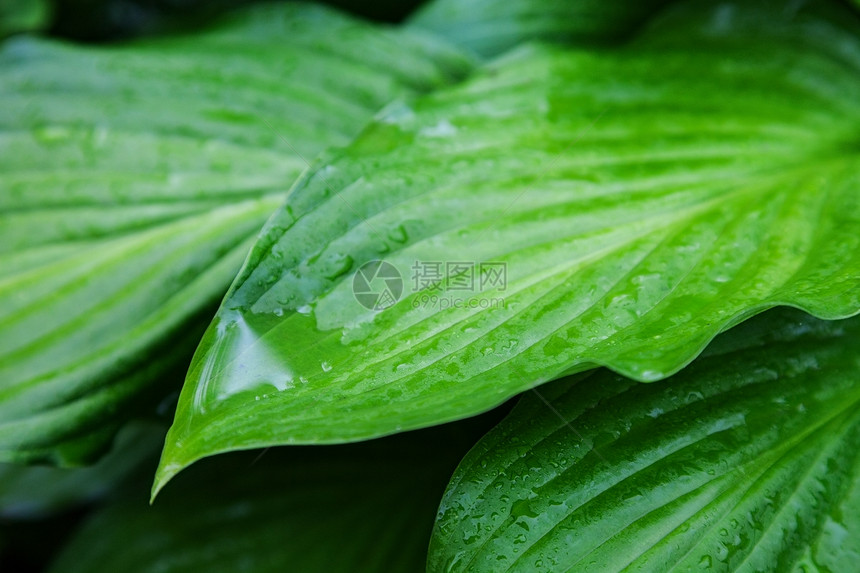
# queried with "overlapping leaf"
point(642, 199)
point(490, 27)
point(133, 181)
point(747, 460)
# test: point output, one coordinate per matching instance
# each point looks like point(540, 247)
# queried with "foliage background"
point(41, 508)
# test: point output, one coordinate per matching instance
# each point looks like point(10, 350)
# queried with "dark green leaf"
point(366, 508)
point(34, 492)
point(643, 199)
point(747, 460)
point(134, 180)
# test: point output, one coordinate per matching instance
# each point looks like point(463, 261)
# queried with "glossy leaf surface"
point(365, 508)
point(491, 27)
point(134, 180)
point(643, 200)
point(747, 460)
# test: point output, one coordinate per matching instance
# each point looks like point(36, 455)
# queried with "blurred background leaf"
point(115, 20)
point(33, 492)
point(40, 506)
point(24, 16)
point(361, 508)
point(490, 27)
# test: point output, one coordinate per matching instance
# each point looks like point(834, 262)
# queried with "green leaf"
point(364, 508)
point(490, 27)
point(747, 460)
point(134, 181)
point(643, 199)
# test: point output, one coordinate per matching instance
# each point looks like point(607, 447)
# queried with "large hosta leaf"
point(365, 508)
point(643, 200)
point(134, 180)
point(747, 460)
point(490, 27)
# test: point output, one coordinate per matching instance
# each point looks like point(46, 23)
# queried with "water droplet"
point(442, 129)
point(398, 234)
point(338, 265)
point(655, 412)
point(470, 539)
point(523, 508)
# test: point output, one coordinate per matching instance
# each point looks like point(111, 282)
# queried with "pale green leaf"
point(643, 199)
point(134, 180)
point(490, 27)
point(747, 460)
